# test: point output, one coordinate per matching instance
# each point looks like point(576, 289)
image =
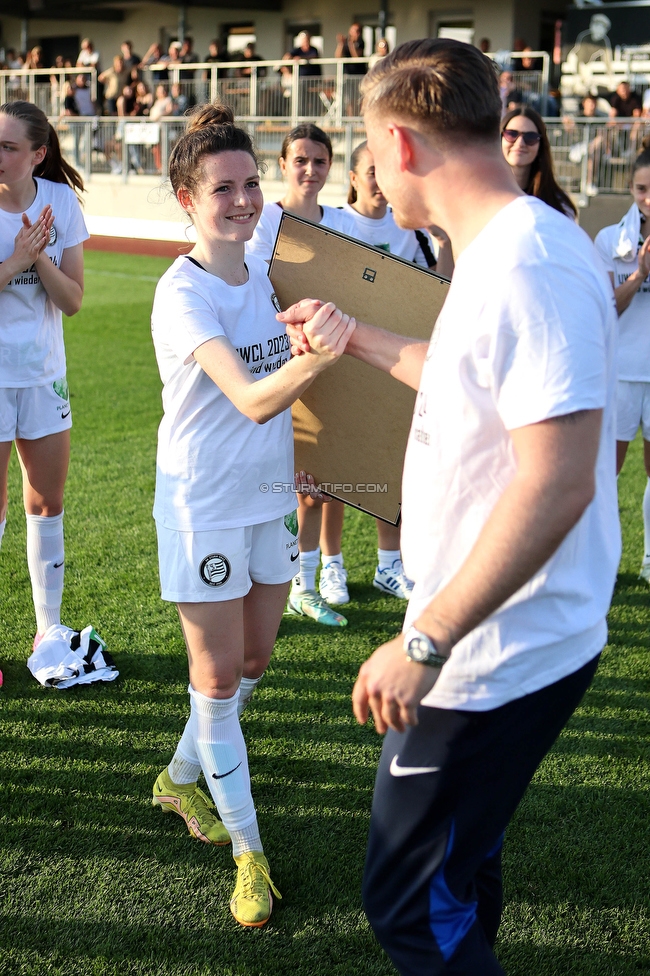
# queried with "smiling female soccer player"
point(225, 541)
point(41, 276)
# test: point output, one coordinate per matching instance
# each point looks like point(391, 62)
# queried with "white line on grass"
point(120, 274)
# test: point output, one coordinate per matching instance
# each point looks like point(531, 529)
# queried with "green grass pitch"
point(95, 882)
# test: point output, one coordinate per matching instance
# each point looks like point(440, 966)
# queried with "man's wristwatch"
point(421, 649)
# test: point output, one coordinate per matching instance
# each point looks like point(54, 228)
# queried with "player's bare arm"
point(553, 485)
point(260, 400)
point(65, 284)
point(402, 357)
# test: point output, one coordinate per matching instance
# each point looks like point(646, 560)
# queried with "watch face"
point(418, 649)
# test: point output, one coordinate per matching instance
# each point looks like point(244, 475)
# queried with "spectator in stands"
point(114, 79)
point(351, 46)
point(82, 96)
point(506, 87)
point(381, 50)
point(126, 103)
point(625, 102)
point(173, 56)
point(187, 53)
point(143, 99)
point(485, 45)
point(15, 61)
point(216, 52)
point(69, 103)
point(529, 64)
point(88, 56)
point(249, 54)
point(527, 151)
point(163, 105)
point(305, 51)
point(154, 57)
point(34, 61)
point(515, 100)
point(131, 60)
point(180, 101)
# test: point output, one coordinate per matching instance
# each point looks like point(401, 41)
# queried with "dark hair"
point(354, 163)
point(306, 130)
point(210, 130)
point(643, 159)
point(441, 85)
point(40, 133)
point(541, 179)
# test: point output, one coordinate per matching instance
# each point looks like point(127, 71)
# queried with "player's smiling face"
point(17, 158)
point(228, 202)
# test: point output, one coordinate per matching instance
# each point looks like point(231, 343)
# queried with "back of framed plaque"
point(352, 424)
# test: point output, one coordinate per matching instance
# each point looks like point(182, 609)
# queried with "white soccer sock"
point(386, 558)
point(3, 526)
point(246, 688)
point(222, 751)
point(45, 561)
point(328, 560)
point(646, 522)
point(185, 766)
point(306, 578)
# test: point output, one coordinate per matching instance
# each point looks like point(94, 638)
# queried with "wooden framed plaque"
point(352, 424)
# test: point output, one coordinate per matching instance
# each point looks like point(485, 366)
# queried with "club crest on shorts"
point(291, 522)
point(60, 387)
point(52, 239)
point(215, 570)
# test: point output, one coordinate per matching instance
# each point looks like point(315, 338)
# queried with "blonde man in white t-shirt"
point(625, 251)
point(510, 523)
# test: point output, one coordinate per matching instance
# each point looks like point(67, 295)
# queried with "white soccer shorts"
point(223, 564)
point(632, 409)
point(34, 411)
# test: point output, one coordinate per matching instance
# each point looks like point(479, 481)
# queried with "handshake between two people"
point(317, 328)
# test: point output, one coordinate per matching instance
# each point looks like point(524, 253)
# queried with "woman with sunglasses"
point(526, 148)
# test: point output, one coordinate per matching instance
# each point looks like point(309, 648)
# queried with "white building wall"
point(499, 20)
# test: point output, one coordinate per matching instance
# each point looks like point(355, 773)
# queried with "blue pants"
point(445, 792)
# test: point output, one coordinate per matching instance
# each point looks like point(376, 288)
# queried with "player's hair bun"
point(208, 115)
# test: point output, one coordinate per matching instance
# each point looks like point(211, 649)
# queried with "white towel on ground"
point(66, 657)
point(629, 229)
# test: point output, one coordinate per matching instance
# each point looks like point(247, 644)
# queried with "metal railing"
point(131, 146)
point(45, 87)
point(592, 156)
point(532, 83)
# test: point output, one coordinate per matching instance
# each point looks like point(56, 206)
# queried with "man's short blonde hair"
point(439, 85)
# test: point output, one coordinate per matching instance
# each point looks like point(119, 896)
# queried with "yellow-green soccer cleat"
point(252, 901)
point(190, 803)
point(309, 603)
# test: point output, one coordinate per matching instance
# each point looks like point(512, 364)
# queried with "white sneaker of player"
point(393, 581)
point(333, 584)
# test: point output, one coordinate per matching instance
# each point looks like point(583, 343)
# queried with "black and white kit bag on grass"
point(66, 657)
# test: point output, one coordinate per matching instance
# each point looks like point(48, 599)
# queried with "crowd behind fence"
point(589, 156)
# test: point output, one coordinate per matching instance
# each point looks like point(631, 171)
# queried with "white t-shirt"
point(634, 322)
point(385, 234)
point(526, 336)
point(31, 325)
point(212, 459)
point(263, 240)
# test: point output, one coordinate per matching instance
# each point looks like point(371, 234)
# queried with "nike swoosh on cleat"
point(294, 557)
point(396, 770)
point(221, 776)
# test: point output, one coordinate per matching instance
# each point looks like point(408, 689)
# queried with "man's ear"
point(404, 145)
point(184, 197)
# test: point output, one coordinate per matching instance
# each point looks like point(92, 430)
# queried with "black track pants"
point(445, 791)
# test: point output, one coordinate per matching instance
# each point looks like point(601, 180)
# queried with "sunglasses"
point(511, 136)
